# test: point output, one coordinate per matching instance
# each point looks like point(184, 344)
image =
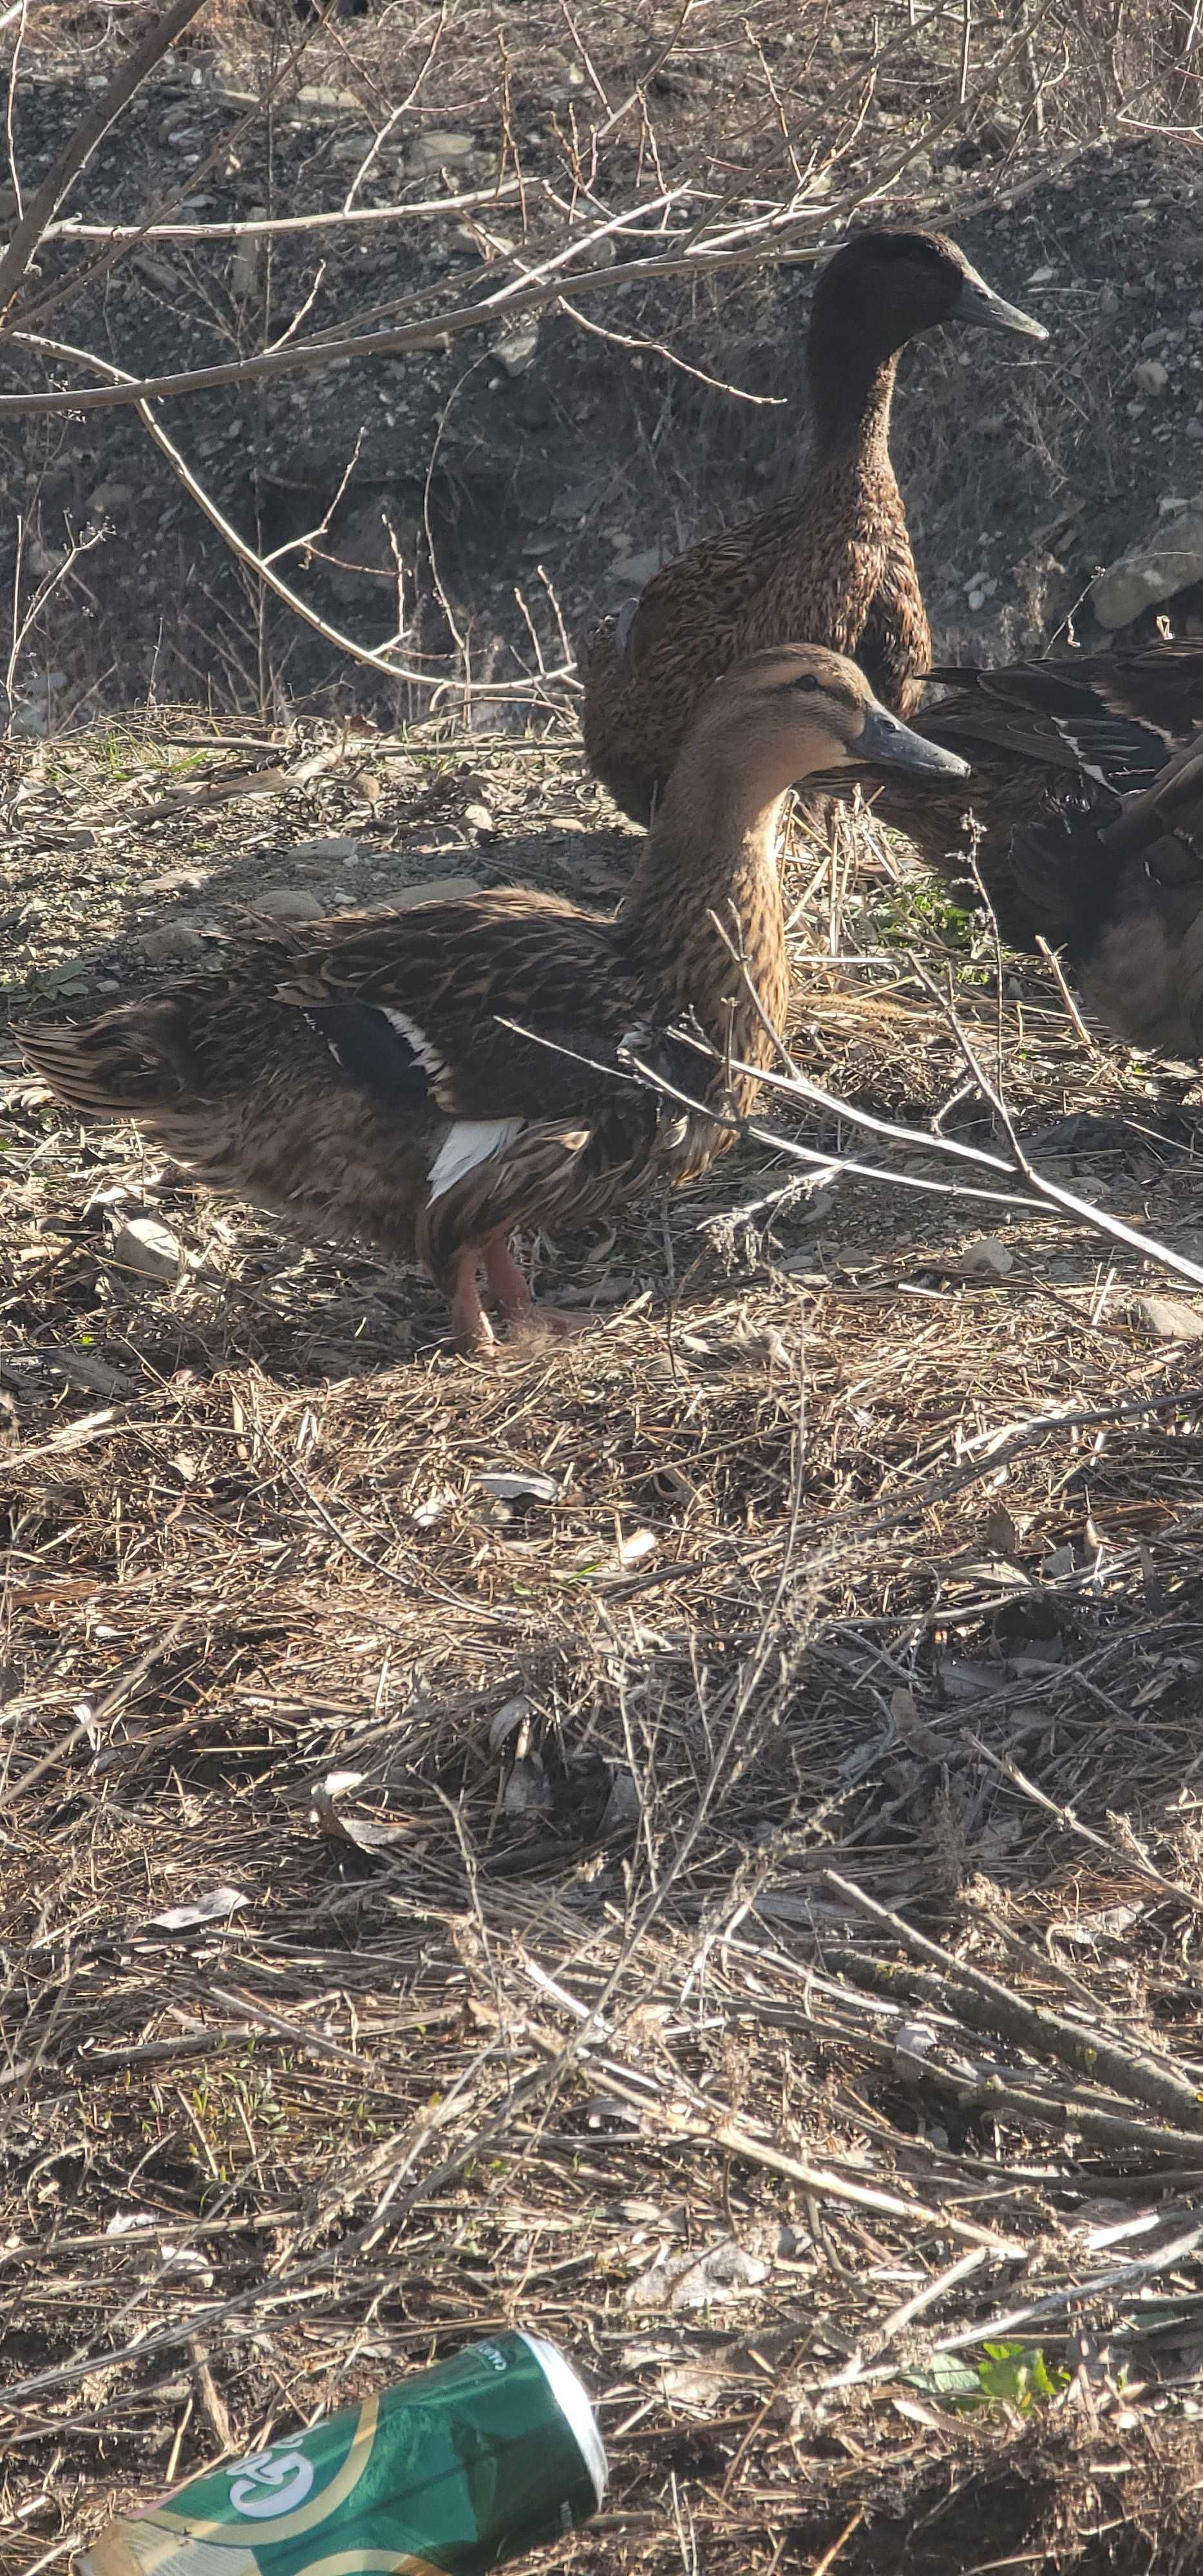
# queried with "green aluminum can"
point(462, 2466)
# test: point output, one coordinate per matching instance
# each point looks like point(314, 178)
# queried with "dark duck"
point(832, 563)
point(1087, 794)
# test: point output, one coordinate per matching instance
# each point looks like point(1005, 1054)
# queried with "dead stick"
point(996, 2094)
point(77, 149)
point(1049, 2034)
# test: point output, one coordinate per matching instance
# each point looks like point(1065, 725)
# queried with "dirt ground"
point(693, 1842)
point(496, 497)
point(851, 1562)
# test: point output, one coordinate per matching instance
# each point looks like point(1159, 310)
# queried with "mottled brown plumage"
point(831, 563)
point(428, 1081)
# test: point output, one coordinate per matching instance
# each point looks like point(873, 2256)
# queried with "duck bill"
point(978, 302)
point(886, 743)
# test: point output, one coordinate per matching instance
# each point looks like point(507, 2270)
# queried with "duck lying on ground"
point(832, 562)
point(428, 1081)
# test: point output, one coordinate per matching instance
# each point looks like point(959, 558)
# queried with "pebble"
point(175, 881)
point(110, 496)
point(288, 903)
point(1149, 573)
point(436, 890)
point(1150, 377)
point(439, 150)
point(636, 568)
point(987, 1256)
point(1170, 1319)
point(334, 845)
point(169, 939)
point(517, 349)
point(147, 1247)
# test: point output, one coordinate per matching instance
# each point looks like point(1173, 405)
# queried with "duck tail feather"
point(130, 1060)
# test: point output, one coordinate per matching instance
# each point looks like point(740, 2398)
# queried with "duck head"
point(886, 286)
point(799, 712)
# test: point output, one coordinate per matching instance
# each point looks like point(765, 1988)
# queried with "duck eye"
point(807, 681)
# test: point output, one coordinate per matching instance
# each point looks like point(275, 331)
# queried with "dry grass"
point(847, 1573)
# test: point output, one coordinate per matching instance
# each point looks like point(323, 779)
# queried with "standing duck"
point(832, 562)
point(430, 1080)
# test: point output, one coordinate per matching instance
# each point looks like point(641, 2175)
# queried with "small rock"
point(147, 1247)
point(175, 881)
point(1170, 1319)
point(516, 349)
point(169, 939)
point(1167, 561)
point(108, 497)
point(436, 890)
point(1150, 377)
point(157, 272)
point(987, 1256)
point(245, 266)
point(478, 818)
point(439, 150)
point(335, 845)
point(636, 568)
point(288, 903)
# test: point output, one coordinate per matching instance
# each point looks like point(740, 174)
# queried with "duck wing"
point(498, 1006)
point(1113, 720)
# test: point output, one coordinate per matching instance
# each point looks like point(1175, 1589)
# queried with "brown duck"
point(832, 562)
point(428, 1081)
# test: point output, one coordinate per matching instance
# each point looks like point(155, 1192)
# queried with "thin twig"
point(79, 146)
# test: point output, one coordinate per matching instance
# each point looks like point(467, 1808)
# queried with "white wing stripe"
point(469, 1142)
point(428, 1057)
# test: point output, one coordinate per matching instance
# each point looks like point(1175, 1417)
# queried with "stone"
point(1150, 377)
point(147, 1247)
point(1167, 561)
point(435, 890)
point(331, 845)
point(1170, 1319)
point(110, 496)
point(516, 349)
point(245, 266)
point(169, 939)
point(439, 150)
point(176, 881)
point(287, 903)
point(987, 1257)
point(636, 569)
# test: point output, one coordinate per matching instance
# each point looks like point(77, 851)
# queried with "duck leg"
point(469, 1322)
point(508, 1285)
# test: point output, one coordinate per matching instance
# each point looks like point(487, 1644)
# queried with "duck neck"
point(851, 380)
point(711, 851)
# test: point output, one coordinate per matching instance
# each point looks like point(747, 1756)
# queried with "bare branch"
point(343, 218)
point(79, 147)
